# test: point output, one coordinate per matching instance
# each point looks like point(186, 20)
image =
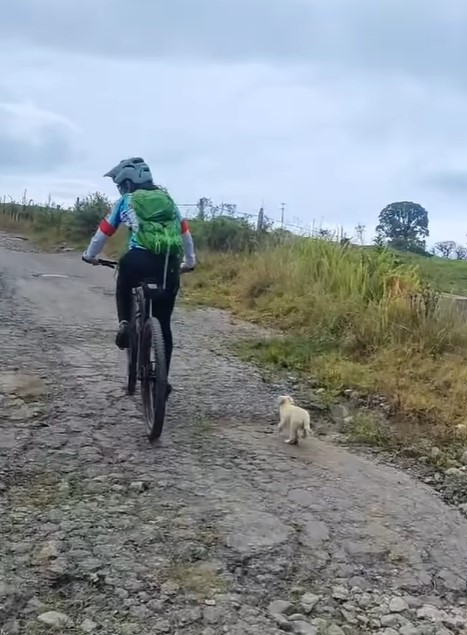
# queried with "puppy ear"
point(281, 400)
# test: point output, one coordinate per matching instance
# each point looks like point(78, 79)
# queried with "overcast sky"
point(334, 107)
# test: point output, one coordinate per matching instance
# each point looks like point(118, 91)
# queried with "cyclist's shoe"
point(122, 339)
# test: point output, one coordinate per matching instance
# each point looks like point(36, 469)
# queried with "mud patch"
point(14, 409)
point(20, 395)
point(27, 387)
point(22, 385)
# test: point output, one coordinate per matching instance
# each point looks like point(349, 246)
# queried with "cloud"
point(32, 139)
point(181, 28)
point(451, 182)
point(419, 38)
point(336, 108)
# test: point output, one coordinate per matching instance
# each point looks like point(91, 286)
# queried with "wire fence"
point(203, 209)
point(262, 220)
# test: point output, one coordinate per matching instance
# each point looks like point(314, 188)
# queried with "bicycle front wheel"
point(154, 377)
point(132, 351)
point(132, 361)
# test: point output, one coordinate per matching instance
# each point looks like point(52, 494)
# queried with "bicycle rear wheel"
point(154, 377)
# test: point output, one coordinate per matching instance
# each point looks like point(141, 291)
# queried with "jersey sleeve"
point(188, 245)
point(107, 228)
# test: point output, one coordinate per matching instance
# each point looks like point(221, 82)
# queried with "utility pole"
point(282, 215)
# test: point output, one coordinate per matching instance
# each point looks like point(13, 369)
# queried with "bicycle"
point(146, 352)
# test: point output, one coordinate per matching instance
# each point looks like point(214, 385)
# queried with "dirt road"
point(221, 528)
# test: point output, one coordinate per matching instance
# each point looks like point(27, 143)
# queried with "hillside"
point(449, 276)
point(349, 318)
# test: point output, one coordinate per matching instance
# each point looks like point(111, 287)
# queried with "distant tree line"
point(450, 249)
point(404, 226)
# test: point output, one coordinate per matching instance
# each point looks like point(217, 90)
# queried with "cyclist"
point(159, 235)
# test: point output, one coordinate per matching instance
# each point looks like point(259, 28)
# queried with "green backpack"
point(158, 222)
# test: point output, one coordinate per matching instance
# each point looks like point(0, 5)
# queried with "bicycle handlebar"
point(113, 264)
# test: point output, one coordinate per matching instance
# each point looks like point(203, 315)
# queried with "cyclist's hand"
point(90, 261)
point(184, 268)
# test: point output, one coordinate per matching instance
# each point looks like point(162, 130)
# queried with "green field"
point(448, 276)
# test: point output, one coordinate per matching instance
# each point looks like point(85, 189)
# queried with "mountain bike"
point(146, 352)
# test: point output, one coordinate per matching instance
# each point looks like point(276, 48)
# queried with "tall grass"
point(49, 224)
point(353, 318)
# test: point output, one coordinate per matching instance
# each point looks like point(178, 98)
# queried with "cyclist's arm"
point(107, 227)
point(188, 245)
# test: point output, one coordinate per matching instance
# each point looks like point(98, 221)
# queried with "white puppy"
point(297, 419)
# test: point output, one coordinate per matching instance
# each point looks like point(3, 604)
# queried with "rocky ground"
point(221, 527)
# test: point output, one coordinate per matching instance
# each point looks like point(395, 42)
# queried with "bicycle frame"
point(146, 353)
point(143, 296)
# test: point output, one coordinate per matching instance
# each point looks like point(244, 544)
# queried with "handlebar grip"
point(108, 263)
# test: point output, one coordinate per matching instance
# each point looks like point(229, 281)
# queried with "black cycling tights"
point(137, 265)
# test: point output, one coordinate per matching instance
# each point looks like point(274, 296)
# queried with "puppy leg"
point(306, 430)
point(307, 426)
point(293, 434)
point(280, 425)
point(284, 421)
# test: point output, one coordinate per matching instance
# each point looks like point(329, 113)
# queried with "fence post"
point(260, 222)
point(201, 205)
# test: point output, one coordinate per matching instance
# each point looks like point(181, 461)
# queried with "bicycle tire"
point(154, 377)
point(132, 351)
point(132, 360)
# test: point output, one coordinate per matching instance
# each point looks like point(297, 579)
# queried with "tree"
point(446, 248)
point(404, 225)
point(461, 252)
point(379, 242)
point(203, 204)
point(229, 209)
point(360, 233)
point(207, 210)
point(325, 234)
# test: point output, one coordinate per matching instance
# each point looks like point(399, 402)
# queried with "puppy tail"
point(307, 428)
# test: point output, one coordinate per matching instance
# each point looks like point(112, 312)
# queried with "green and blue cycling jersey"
point(154, 222)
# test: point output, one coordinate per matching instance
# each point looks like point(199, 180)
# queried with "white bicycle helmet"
point(135, 170)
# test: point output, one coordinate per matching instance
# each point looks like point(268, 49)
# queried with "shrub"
point(88, 212)
point(224, 233)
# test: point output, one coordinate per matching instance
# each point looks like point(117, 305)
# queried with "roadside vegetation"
point(350, 318)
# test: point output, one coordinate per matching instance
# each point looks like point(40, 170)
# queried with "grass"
point(449, 276)
point(367, 428)
point(351, 318)
point(47, 227)
point(199, 580)
point(50, 226)
point(37, 490)
point(347, 317)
